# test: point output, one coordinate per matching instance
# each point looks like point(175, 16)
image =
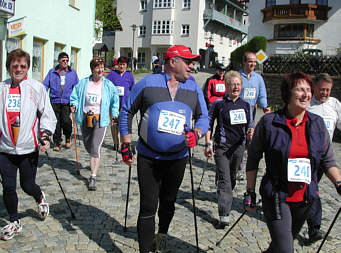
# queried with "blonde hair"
point(230, 74)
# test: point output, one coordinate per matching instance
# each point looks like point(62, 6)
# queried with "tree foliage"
point(106, 14)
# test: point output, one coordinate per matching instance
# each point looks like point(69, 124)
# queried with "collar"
point(293, 121)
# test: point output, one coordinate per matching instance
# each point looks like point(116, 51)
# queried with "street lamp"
point(132, 55)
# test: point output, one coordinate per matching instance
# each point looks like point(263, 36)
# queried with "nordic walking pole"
point(74, 135)
point(228, 231)
point(133, 152)
point(127, 201)
point(329, 229)
point(202, 175)
point(193, 198)
point(54, 171)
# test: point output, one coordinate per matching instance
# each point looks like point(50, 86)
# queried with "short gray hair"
point(230, 74)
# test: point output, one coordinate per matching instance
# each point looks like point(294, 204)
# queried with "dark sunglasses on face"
point(66, 60)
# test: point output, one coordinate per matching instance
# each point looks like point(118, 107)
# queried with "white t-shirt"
point(93, 98)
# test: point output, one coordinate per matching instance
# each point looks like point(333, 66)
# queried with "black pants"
point(284, 231)
point(159, 181)
point(27, 165)
point(228, 159)
point(64, 122)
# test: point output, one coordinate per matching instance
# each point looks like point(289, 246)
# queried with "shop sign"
point(16, 28)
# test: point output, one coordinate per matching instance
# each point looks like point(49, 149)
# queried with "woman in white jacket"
point(25, 115)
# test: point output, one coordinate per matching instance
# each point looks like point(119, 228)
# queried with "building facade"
point(293, 25)
point(46, 28)
point(211, 28)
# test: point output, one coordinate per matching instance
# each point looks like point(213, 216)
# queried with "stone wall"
point(273, 82)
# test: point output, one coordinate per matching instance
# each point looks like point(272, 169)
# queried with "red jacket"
point(214, 89)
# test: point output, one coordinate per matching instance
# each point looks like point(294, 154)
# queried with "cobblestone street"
point(99, 222)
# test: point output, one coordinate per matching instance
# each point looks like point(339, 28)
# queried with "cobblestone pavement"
point(99, 222)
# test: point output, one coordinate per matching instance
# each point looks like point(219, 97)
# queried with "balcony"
point(211, 14)
point(309, 12)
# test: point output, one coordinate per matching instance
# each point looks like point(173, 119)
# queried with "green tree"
point(106, 14)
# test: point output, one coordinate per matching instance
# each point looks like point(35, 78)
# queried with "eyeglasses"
point(16, 66)
point(186, 61)
point(66, 60)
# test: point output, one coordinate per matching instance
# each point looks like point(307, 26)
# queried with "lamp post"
point(132, 55)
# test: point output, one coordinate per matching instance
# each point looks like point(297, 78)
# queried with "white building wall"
point(327, 32)
point(130, 13)
point(58, 22)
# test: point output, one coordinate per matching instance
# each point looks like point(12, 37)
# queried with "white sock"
point(93, 175)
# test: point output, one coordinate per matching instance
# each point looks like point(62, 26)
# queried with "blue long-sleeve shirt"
point(123, 83)
point(163, 118)
point(253, 89)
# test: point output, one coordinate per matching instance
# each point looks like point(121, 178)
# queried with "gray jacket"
point(36, 115)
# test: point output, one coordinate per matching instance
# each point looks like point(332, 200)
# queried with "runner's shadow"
point(185, 199)
point(100, 228)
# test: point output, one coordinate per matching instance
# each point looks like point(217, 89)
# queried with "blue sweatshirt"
point(163, 118)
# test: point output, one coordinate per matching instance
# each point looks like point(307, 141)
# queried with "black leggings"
point(284, 231)
point(27, 165)
point(159, 181)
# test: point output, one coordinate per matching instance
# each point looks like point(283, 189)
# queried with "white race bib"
point(62, 80)
point(329, 121)
point(93, 99)
point(220, 87)
point(299, 170)
point(120, 90)
point(13, 103)
point(171, 122)
point(237, 117)
point(250, 93)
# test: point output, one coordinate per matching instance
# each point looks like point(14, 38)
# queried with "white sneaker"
point(161, 243)
point(10, 230)
point(43, 207)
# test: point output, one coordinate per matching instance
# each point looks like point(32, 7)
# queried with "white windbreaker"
point(36, 115)
point(330, 111)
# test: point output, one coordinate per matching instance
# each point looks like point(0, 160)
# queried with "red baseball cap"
point(181, 51)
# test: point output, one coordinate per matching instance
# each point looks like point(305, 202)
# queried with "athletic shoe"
point(92, 184)
point(11, 230)
point(57, 147)
point(161, 243)
point(223, 222)
point(315, 234)
point(43, 207)
point(68, 143)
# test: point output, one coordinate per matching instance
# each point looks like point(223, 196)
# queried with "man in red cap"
point(167, 102)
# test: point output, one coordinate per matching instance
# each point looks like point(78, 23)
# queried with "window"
point(38, 60)
point(295, 1)
point(143, 5)
point(322, 2)
point(294, 31)
point(186, 4)
point(163, 27)
point(141, 60)
point(270, 3)
point(185, 30)
point(74, 3)
point(142, 31)
point(58, 48)
point(74, 58)
point(163, 4)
